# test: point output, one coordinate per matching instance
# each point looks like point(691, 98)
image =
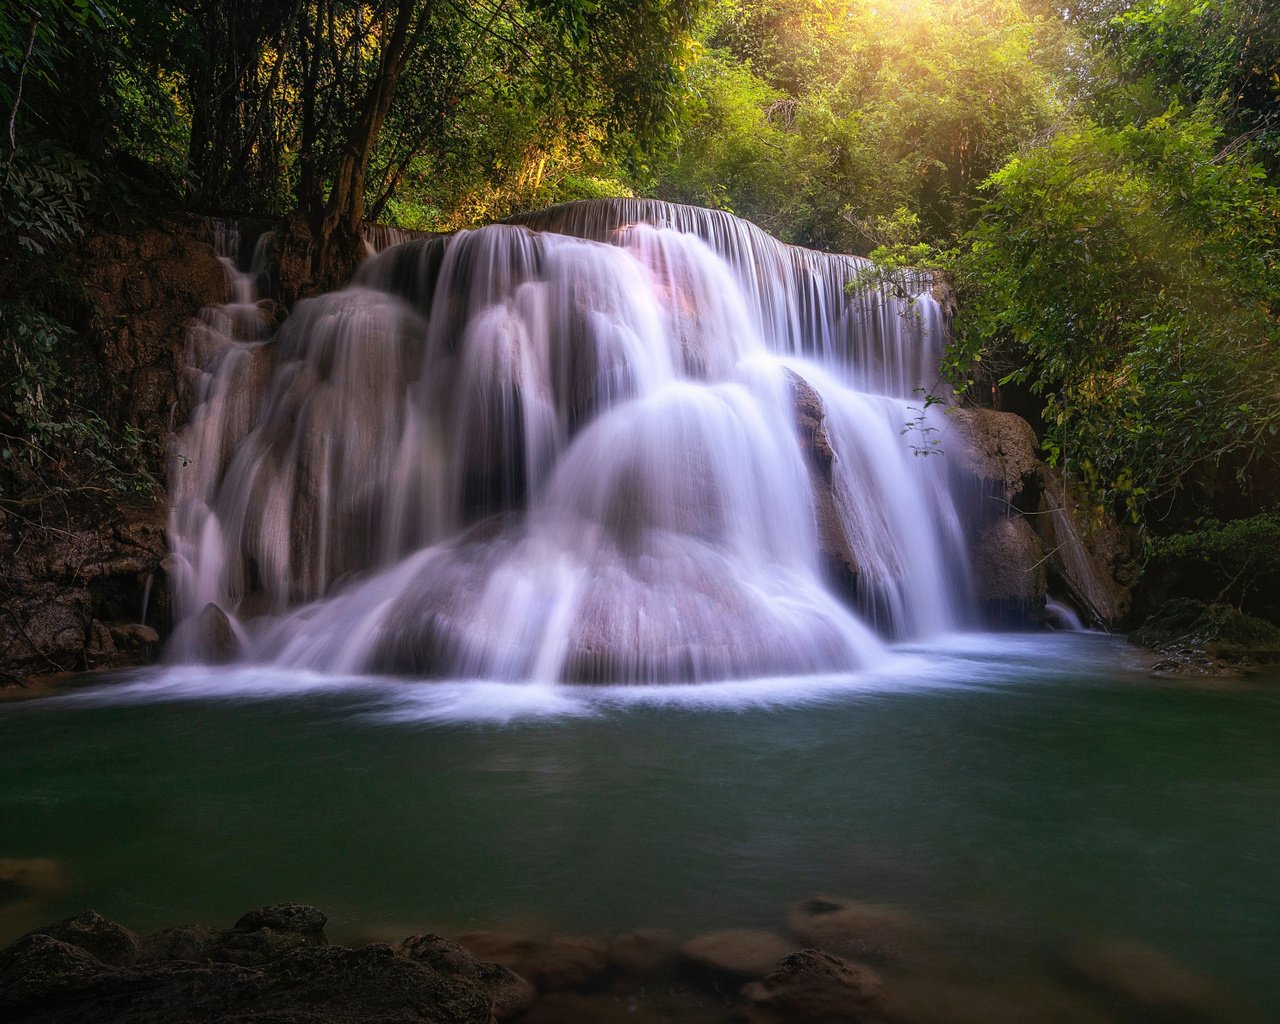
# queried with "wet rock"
point(65, 587)
point(1088, 552)
point(1149, 981)
point(813, 986)
point(868, 931)
point(646, 1006)
point(810, 419)
point(509, 993)
point(211, 636)
point(644, 950)
point(1010, 577)
point(743, 952)
point(564, 962)
point(38, 966)
point(133, 636)
point(1194, 638)
point(1000, 450)
point(286, 917)
point(45, 980)
point(104, 940)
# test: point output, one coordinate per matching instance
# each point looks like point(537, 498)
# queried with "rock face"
point(73, 578)
point(997, 454)
point(840, 562)
point(1089, 553)
point(1194, 638)
point(72, 597)
point(1028, 536)
point(275, 964)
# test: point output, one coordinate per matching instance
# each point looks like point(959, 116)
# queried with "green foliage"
point(1238, 560)
point(43, 194)
point(1129, 277)
point(50, 444)
point(817, 120)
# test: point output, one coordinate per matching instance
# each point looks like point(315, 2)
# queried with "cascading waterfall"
point(617, 441)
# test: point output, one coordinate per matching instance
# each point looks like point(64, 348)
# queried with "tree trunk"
point(338, 231)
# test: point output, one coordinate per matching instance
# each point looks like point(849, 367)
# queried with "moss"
point(1190, 633)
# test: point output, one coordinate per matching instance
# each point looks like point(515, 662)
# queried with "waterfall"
point(614, 441)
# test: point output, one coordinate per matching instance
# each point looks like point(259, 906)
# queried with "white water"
point(518, 454)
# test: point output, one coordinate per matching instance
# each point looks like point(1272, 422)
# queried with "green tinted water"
point(1030, 790)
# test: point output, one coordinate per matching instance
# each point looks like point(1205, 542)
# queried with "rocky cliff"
point(82, 582)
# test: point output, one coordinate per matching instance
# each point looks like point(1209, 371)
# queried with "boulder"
point(54, 980)
point(1148, 982)
point(104, 940)
point(553, 965)
point(813, 986)
point(1009, 572)
point(286, 917)
point(1194, 638)
point(644, 951)
point(744, 952)
point(509, 993)
point(839, 560)
point(868, 931)
point(998, 449)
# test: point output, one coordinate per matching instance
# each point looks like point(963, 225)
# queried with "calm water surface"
point(1027, 789)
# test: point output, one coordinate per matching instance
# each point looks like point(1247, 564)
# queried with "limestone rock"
point(743, 952)
point(810, 416)
point(46, 980)
point(1000, 450)
point(1009, 568)
point(813, 986)
point(1148, 980)
point(509, 993)
point(1089, 552)
point(865, 930)
point(564, 962)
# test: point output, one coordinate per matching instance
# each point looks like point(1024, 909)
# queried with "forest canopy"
point(1098, 179)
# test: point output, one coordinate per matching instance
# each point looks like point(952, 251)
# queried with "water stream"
point(507, 601)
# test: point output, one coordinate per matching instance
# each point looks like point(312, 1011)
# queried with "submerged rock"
point(874, 931)
point(557, 964)
point(743, 952)
point(1149, 982)
point(813, 986)
point(27, 877)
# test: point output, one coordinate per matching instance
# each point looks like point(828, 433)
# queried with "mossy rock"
point(1199, 636)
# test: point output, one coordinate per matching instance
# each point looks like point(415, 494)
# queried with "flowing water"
point(581, 575)
point(570, 454)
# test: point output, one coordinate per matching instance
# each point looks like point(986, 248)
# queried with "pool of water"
point(1020, 792)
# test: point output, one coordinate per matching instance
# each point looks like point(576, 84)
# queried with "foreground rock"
point(274, 965)
point(867, 931)
point(1148, 983)
point(1194, 638)
point(815, 986)
point(1029, 535)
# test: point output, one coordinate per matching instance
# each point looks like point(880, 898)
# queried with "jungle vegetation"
point(1098, 178)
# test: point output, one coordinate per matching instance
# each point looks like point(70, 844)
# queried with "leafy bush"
point(50, 444)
